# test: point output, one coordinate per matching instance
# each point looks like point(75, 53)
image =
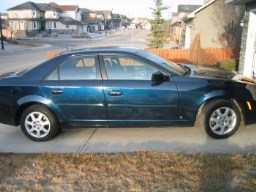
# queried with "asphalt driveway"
point(173, 139)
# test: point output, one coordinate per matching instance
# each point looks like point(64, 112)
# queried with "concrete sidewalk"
point(16, 48)
point(12, 47)
point(177, 139)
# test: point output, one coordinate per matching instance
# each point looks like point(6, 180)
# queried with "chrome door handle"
point(56, 91)
point(115, 93)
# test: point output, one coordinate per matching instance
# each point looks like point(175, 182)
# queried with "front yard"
point(139, 171)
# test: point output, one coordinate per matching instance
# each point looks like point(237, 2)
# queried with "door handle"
point(56, 91)
point(115, 93)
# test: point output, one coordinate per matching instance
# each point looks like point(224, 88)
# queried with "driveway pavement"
point(174, 139)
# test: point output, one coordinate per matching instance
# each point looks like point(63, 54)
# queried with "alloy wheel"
point(37, 125)
point(223, 120)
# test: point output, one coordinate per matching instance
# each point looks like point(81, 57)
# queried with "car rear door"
point(75, 90)
point(131, 96)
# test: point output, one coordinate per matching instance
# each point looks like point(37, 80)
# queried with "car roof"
point(101, 50)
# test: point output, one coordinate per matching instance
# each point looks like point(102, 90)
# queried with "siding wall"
point(204, 24)
point(23, 14)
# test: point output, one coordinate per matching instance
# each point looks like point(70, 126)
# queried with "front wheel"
point(38, 123)
point(220, 118)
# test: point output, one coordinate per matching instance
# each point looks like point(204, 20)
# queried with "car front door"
point(75, 90)
point(132, 98)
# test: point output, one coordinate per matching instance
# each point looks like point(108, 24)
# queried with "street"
point(26, 57)
point(178, 139)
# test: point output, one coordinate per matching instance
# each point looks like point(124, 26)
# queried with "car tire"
point(38, 123)
point(220, 118)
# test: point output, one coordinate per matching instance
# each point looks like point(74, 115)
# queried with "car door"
point(75, 90)
point(132, 98)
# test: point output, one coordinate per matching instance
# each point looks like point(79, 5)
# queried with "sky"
point(131, 8)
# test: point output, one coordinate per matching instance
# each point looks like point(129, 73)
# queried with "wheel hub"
point(223, 120)
point(37, 124)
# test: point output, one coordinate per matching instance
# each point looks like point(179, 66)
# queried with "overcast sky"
point(132, 8)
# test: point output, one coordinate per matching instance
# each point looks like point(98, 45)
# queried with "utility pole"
point(1, 33)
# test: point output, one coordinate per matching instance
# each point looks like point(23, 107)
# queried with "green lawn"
point(227, 64)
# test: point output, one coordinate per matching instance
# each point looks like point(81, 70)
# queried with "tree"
point(157, 33)
point(12, 28)
point(196, 55)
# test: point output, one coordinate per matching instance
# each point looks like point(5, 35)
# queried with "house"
point(145, 24)
point(177, 28)
point(4, 16)
point(25, 18)
point(116, 21)
point(72, 11)
point(68, 25)
point(29, 18)
point(94, 19)
point(217, 24)
point(70, 20)
point(247, 61)
point(88, 14)
point(4, 20)
point(98, 20)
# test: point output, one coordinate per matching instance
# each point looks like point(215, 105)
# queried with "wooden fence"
point(210, 55)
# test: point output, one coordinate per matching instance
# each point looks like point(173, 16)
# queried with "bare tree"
point(227, 18)
point(12, 28)
point(196, 55)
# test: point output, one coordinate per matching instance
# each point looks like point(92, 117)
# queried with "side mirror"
point(159, 77)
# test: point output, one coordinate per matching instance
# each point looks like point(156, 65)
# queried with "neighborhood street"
point(18, 58)
point(178, 139)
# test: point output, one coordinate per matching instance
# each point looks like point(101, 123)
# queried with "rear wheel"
point(220, 118)
point(38, 123)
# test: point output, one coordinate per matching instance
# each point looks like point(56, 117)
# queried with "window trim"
point(34, 25)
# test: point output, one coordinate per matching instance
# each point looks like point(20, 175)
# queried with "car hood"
point(216, 73)
point(209, 72)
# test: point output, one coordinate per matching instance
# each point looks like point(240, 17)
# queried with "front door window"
point(125, 67)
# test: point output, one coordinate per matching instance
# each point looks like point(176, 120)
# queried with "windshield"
point(174, 67)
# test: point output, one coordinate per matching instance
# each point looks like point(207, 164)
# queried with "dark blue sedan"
point(122, 87)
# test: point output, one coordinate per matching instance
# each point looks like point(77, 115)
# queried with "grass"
point(227, 64)
point(139, 171)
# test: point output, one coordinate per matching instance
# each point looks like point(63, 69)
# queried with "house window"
point(54, 24)
point(67, 26)
point(49, 25)
point(34, 13)
point(34, 25)
point(54, 13)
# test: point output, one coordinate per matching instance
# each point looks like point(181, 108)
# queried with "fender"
point(40, 100)
point(213, 94)
point(189, 109)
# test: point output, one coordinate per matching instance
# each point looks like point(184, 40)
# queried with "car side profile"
point(122, 87)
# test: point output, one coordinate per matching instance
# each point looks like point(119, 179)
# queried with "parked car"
point(122, 87)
